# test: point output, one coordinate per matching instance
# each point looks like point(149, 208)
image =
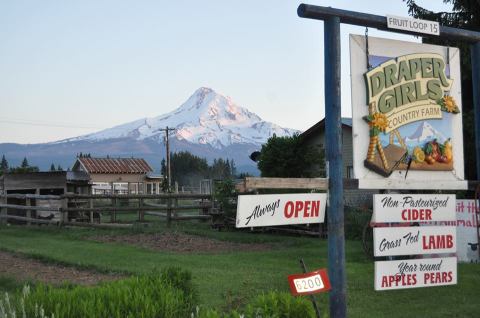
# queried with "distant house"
point(119, 175)
point(315, 136)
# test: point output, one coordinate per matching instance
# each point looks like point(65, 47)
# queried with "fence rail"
point(85, 210)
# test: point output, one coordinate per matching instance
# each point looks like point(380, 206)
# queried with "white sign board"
point(427, 272)
point(415, 240)
point(467, 239)
point(405, 136)
point(413, 25)
point(413, 208)
point(280, 209)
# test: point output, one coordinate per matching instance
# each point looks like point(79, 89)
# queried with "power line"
point(46, 124)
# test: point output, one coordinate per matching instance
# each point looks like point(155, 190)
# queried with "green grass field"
point(229, 280)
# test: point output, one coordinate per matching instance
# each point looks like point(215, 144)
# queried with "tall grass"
point(166, 294)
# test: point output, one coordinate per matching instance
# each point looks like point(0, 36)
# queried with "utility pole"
point(167, 145)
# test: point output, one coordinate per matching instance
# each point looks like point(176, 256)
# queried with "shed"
point(117, 175)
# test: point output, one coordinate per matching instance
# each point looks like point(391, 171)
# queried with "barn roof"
point(115, 165)
point(346, 122)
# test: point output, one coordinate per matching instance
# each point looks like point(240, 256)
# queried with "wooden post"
point(28, 213)
point(114, 212)
point(169, 210)
point(333, 151)
point(475, 56)
point(64, 211)
point(141, 213)
point(3, 211)
point(90, 205)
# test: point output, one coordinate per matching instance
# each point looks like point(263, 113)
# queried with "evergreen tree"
point(3, 165)
point(52, 167)
point(24, 163)
point(59, 168)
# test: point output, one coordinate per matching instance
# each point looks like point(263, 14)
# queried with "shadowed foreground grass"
point(229, 280)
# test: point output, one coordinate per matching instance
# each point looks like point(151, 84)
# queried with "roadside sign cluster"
point(413, 234)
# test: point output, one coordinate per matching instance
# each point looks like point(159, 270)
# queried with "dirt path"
point(180, 243)
point(25, 269)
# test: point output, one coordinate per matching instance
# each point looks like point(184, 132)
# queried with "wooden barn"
point(119, 175)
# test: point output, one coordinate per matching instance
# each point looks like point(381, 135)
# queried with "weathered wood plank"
point(26, 207)
point(286, 183)
point(33, 196)
point(138, 196)
point(28, 220)
point(100, 225)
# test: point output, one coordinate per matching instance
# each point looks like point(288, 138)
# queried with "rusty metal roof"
point(115, 165)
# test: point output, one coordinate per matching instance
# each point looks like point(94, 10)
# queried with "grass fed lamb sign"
point(280, 209)
point(406, 115)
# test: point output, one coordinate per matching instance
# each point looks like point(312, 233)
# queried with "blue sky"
point(69, 68)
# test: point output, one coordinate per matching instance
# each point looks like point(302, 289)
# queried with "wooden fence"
point(90, 210)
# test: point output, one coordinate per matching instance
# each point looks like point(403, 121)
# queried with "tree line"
point(24, 167)
point(188, 169)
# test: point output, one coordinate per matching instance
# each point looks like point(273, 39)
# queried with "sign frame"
point(368, 179)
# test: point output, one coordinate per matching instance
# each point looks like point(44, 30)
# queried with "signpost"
point(332, 18)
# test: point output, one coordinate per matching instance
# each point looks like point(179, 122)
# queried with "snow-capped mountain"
point(424, 133)
point(208, 125)
point(206, 118)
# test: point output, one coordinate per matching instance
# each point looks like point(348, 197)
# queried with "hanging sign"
point(427, 272)
point(406, 109)
point(413, 208)
point(280, 209)
point(413, 25)
point(414, 240)
point(309, 283)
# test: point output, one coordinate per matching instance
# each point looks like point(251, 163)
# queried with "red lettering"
point(438, 277)
point(307, 206)
point(315, 208)
point(385, 281)
point(288, 211)
point(298, 207)
point(437, 242)
point(414, 214)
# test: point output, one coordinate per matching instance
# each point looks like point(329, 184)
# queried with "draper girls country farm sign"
point(407, 125)
point(280, 209)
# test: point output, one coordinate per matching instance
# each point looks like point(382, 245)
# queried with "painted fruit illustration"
point(447, 151)
point(418, 155)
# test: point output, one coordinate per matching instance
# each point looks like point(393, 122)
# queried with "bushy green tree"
point(289, 157)
point(465, 15)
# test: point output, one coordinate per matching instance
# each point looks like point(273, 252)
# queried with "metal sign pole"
point(475, 58)
point(333, 135)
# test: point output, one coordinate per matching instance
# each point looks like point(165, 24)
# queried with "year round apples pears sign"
point(406, 109)
point(431, 247)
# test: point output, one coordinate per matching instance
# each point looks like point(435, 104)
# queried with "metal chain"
point(369, 66)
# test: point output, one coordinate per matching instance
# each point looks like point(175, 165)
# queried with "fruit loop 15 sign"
point(414, 240)
point(413, 208)
point(415, 273)
point(406, 115)
point(280, 209)
point(309, 283)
